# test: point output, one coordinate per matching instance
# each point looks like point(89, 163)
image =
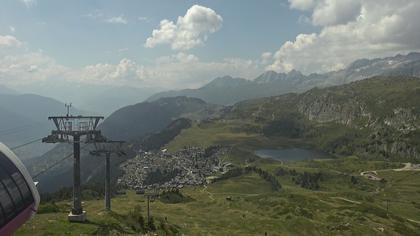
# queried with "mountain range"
point(228, 90)
point(96, 98)
point(295, 112)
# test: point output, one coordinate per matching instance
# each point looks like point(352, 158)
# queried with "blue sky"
point(64, 30)
point(184, 44)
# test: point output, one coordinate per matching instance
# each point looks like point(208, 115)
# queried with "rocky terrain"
point(372, 117)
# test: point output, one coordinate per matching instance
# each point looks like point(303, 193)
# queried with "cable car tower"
point(108, 148)
point(69, 129)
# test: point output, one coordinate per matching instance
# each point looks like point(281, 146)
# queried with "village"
point(164, 170)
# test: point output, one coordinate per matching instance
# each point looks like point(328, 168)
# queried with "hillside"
point(377, 116)
point(227, 90)
point(96, 98)
point(345, 204)
point(24, 118)
point(365, 126)
point(136, 124)
point(148, 117)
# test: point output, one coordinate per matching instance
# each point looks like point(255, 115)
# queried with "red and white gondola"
point(19, 197)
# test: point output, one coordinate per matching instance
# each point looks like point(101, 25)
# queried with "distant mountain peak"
point(179, 100)
point(267, 76)
point(228, 90)
point(383, 62)
point(225, 81)
point(270, 76)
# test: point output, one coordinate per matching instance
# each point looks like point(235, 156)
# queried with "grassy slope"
point(337, 208)
point(255, 209)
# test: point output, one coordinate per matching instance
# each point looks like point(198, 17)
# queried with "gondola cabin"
point(19, 197)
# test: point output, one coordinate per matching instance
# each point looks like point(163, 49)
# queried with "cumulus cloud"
point(177, 71)
point(266, 58)
point(125, 72)
point(9, 41)
point(188, 31)
point(373, 29)
point(27, 68)
point(117, 20)
point(188, 71)
point(332, 12)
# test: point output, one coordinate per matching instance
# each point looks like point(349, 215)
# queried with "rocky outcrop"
point(329, 107)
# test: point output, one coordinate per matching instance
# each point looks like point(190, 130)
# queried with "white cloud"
point(379, 28)
point(266, 58)
point(188, 71)
point(176, 71)
point(117, 20)
point(9, 41)
point(101, 16)
point(302, 4)
point(125, 72)
point(28, 68)
point(331, 12)
point(189, 31)
point(28, 3)
point(12, 29)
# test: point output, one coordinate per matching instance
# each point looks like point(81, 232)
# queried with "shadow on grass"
point(107, 227)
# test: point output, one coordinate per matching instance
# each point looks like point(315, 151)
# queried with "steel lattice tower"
point(70, 129)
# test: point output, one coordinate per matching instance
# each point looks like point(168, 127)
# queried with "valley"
point(363, 127)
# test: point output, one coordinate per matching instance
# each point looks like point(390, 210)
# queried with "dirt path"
point(346, 200)
point(209, 193)
point(409, 167)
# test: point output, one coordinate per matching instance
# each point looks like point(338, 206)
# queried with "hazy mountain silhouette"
point(227, 90)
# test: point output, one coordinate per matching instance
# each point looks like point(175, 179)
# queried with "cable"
point(18, 127)
point(22, 145)
point(53, 165)
point(56, 163)
point(21, 128)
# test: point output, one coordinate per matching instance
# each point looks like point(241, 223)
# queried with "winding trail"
point(210, 194)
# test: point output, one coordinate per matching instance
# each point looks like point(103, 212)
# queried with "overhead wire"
point(21, 128)
point(56, 163)
point(25, 144)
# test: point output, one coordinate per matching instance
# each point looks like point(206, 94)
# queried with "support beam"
point(107, 148)
point(77, 201)
point(77, 214)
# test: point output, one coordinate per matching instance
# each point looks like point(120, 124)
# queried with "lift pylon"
point(108, 148)
point(70, 129)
